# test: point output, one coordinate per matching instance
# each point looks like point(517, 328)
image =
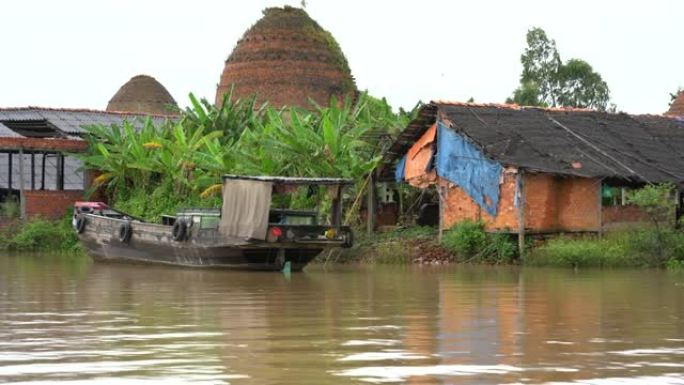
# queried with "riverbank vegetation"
point(645, 247)
point(160, 168)
point(39, 235)
point(659, 243)
point(157, 169)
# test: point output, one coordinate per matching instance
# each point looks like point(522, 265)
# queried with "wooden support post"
point(9, 172)
point(400, 213)
point(33, 171)
point(337, 207)
point(440, 195)
point(60, 172)
point(370, 204)
point(42, 172)
point(22, 197)
point(521, 214)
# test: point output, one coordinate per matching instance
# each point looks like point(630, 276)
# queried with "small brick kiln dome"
point(285, 59)
point(142, 94)
point(677, 106)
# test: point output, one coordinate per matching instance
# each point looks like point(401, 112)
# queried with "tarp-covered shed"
point(538, 169)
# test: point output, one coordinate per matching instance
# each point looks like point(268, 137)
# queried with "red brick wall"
point(578, 204)
point(459, 206)
point(555, 203)
point(50, 204)
point(541, 202)
point(551, 204)
point(615, 216)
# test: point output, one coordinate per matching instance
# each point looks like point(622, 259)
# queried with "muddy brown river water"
point(65, 319)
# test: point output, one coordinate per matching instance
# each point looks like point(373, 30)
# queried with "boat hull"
point(152, 243)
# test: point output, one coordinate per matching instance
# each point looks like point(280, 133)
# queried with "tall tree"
point(581, 86)
point(541, 65)
point(547, 81)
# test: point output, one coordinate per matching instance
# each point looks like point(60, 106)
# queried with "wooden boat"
point(246, 233)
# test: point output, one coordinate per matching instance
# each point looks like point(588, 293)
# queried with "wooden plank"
point(521, 214)
point(337, 206)
point(33, 171)
point(9, 171)
point(440, 194)
point(370, 204)
point(22, 197)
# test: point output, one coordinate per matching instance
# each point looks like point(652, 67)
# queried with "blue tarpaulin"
point(399, 172)
point(463, 164)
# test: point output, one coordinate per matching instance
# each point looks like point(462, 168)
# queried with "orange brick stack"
point(286, 58)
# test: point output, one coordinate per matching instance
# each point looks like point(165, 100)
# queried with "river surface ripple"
point(65, 319)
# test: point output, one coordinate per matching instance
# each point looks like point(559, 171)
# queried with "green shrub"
point(675, 264)
point(656, 200)
point(469, 242)
point(465, 239)
point(411, 232)
point(42, 235)
point(392, 253)
point(501, 249)
point(583, 252)
point(10, 208)
point(645, 247)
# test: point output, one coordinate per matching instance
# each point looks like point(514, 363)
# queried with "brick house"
point(534, 170)
point(37, 166)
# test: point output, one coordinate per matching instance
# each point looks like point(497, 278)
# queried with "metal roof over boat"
point(292, 180)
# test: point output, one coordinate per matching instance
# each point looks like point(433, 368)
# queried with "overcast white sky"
point(77, 53)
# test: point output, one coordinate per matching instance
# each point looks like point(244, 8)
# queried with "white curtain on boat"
point(246, 204)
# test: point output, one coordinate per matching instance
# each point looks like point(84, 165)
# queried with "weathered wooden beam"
point(22, 197)
point(9, 171)
point(440, 205)
point(60, 172)
point(521, 213)
point(370, 204)
point(337, 207)
point(42, 175)
point(33, 171)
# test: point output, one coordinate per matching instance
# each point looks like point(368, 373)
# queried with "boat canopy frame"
point(337, 185)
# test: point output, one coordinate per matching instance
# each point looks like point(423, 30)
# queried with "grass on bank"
point(39, 235)
point(644, 247)
point(398, 246)
point(469, 242)
point(466, 242)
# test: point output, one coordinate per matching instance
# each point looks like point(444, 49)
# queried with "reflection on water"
point(65, 319)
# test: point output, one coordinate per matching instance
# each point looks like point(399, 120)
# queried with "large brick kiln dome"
point(142, 94)
point(677, 106)
point(285, 59)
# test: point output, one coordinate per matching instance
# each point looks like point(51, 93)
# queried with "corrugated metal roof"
point(71, 121)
